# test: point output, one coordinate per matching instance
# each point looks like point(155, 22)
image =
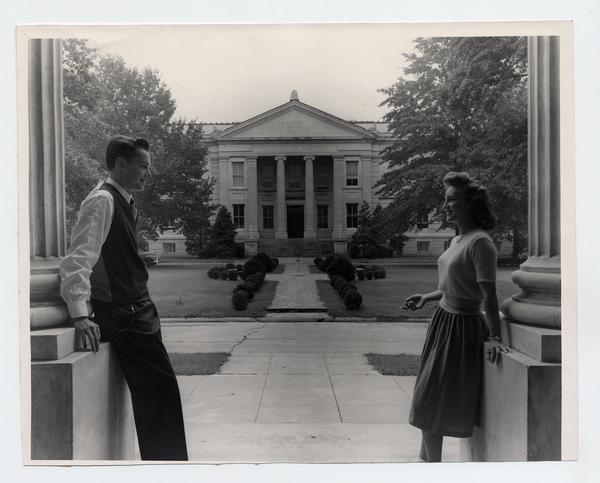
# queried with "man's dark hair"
point(123, 146)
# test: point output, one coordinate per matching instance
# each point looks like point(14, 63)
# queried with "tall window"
point(322, 175)
point(423, 219)
point(238, 174)
point(168, 247)
point(267, 176)
point(351, 215)
point(267, 217)
point(322, 216)
point(238, 216)
point(351, 173)
point(295, 178)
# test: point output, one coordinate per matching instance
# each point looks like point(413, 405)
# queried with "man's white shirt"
point(90, 232)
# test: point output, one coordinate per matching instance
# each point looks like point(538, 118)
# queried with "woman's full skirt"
point(447, 394)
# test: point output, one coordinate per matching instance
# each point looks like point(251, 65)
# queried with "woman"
point(447, 389)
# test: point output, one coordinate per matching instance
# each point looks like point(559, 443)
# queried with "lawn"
point(186, 291)
point(384, 298)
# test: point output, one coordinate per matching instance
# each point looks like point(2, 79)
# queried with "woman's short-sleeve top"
point(470, 259)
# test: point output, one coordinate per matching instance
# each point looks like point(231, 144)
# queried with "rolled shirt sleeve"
point(89, 234)
point(485, 260)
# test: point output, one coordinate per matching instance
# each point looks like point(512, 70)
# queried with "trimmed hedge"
point(254, 265)
point(348, 292)
point(240, 300)
point(245, 287)
point(326, 262)
point(343, 267)
point(266, 260)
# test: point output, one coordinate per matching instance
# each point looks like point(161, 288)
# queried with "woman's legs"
point(431, 447)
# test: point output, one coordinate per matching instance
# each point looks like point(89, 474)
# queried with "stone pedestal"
point(281, 214)
point(80, 405)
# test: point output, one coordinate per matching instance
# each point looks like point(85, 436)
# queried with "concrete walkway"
point(297, 289)
point(299, 392)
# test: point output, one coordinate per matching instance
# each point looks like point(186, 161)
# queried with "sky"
point(229, 73)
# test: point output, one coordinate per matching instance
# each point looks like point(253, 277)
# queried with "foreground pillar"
point(79, 402)
point(522, 395)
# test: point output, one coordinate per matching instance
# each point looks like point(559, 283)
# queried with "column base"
point(281, 235)
point(340, 247)
point(250, 247)
point(310, 234)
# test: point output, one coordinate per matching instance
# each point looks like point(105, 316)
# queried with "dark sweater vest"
point(120, 276)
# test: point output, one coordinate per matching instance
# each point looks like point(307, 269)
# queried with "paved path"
point(299, 392)
point(297, 287)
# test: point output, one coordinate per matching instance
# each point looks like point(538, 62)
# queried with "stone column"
point(252, 229)
point(521, 401)
point(309, 199)
point(280, 208)
point(539, 277)
point(47, 226)
point(80, 405)
point(339, 212)
point(367, 180)
point(224, 181)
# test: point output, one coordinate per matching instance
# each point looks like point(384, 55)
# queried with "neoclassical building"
point(293, 178)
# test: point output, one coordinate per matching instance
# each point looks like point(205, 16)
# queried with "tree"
point(104, 97)
point(462, 106)
point(221, 241)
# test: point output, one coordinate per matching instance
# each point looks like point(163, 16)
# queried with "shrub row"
point(244, 292)
point(352, 297)
point(336, 265)
point(225, 272)
point(374, 272)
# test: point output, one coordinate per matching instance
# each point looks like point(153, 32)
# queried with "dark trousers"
point(153, 386)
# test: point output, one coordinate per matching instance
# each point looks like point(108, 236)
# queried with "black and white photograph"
point(297, 243)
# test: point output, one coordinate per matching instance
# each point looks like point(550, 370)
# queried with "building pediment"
point(295, 120)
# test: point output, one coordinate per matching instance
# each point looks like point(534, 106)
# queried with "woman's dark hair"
point(125, 147)
point(476, 197)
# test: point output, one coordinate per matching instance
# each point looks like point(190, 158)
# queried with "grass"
point(313, 269)
point(198, 363)
point(394, 365)
point(383, 298)
point(186, 291)
point(278, 269)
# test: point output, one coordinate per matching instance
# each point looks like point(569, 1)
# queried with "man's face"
point(136, 172)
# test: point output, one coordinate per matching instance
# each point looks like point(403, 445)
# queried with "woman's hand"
point(494, 350)
point(415, 302)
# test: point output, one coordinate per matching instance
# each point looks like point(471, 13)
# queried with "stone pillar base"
point(80, 408)
point(310, 234)
point(340, 247)
point(281, 235)
point(250, 247)
point(521, 400)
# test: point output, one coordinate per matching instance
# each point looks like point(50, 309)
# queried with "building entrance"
point(295, 221)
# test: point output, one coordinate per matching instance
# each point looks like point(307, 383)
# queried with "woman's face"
point(456, 207)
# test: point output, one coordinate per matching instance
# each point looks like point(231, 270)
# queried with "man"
point(103, 266)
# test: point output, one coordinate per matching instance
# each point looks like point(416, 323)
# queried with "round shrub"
point(369, 274)
point(352, 299)
point(326, 262)
point(265, 260)
point(213, 273)
point(339, 282)
point(379, 273)
point(343, 267)
point(254, 265)
point(245, 287)
point(360, 273)
point(232, 274)
point(253, 282)
point(318, 261)
point(345, 288)
point(240, 300)
point(223, 274)
point(335, 279)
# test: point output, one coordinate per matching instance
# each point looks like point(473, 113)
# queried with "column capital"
point(280, 158)
point(309, 157)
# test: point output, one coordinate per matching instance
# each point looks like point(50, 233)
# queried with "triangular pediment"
point(295, 120)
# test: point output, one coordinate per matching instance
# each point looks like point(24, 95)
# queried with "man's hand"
point(88, 332)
